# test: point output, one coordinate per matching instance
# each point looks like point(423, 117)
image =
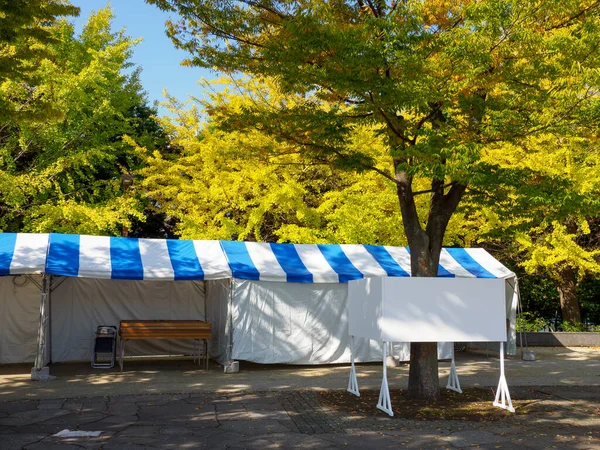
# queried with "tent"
point(268, 303)
point(87, 281)
point(287, 303)
point(22, 261)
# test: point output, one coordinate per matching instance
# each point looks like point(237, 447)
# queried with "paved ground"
point(562, 418)
point(570, 367)
point(139, 409)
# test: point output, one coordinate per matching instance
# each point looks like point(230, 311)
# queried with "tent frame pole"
point(40, 370)
point(41, 341)
point(230, 321)
point(204, 285)
point(49, 346)
point(511, 344)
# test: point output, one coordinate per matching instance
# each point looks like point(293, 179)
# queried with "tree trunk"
point(425, 248)
point(567, 290)
point(423, 377)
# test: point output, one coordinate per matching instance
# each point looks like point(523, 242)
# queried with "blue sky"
point(158, 57)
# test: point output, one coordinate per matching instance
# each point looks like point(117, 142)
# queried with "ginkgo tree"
point(548, 218)
point(25, 33)
point(443, 79)
point(269, 192)
point(62, 156)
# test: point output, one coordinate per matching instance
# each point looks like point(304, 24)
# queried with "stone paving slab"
point(17, 441)
point(560, 417)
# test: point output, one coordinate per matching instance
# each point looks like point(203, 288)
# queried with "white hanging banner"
point(427, 309)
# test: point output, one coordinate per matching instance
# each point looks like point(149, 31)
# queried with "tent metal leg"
point(40, 370)
point(453, 383)
point(229, 324)
point(385, 402)
point(352, 382)
point(41, 344)
point(204, 285)
point(205, 305)
point(49, 338)
point(502, 395)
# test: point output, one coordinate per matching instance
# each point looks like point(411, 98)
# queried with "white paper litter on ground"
point(76, 433)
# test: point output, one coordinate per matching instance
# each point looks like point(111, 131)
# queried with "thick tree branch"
point(427, 191)
point(408, 208)
point(336, 152)
point(226, 35)
point(264, 7)
point(453, 197)
point(389, 123)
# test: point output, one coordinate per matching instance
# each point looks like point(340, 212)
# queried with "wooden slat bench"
point(166, 329)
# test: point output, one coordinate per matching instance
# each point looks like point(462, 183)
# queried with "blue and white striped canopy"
point(75, 255)
point(332, 263)
point(169, 259)
point(22, 253)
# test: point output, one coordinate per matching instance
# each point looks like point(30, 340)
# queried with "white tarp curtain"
point(292, 323)
point(79, 306)
point(74, 321)
point(218, 304)
point(19, 318)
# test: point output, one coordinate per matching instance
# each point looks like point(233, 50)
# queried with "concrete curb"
point(561, 339)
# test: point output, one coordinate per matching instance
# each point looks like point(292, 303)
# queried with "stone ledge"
point(560, 339)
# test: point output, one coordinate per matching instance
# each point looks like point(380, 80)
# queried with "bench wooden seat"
point(166, 329)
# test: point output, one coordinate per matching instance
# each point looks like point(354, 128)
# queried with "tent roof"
point(135, 259)
point(333, 263)
point(170, 259)
point(22, 253)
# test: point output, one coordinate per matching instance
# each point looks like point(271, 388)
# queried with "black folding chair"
point(105, 344)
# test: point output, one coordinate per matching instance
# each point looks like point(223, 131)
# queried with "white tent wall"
point(512, 303)
point(300, 323)
point(292, 323)
point(19, 318)
point(218, 298)
point(401, 350)
point(80, 305)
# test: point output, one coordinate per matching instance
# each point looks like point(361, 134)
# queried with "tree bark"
point(425, 248)
point(567, 291)
point(423, 377)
